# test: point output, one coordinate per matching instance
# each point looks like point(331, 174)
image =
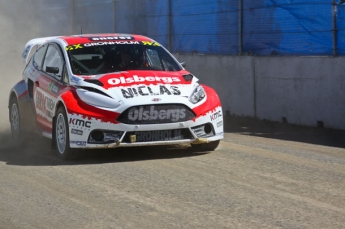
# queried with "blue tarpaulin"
point(287, 27)
point(257, 27)
point(205, 26)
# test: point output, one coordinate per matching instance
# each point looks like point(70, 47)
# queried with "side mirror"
point(183, 64)
point(53, 70)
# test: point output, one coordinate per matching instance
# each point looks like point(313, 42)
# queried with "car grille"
point(156, 114)
point(157, 135)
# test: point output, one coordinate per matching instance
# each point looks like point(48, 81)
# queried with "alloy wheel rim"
point(61, 133)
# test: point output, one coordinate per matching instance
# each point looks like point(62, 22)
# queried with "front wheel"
point(210, 146)
point(61, 137)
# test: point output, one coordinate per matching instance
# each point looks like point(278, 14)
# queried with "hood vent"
point(94, 90)
point(97, 82)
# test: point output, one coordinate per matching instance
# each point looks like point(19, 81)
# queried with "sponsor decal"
point(219, 123)
point(146, 90)
point(53, 87)
point(154, 114)
point(44, 104)
point(111, 43)
point(79, 122)
point(73, 47)
point(139, 79)
point(111, 38)
point(78, 143)
point(159, 135)
point(150, 113)
point(77, 132)
point(216, 115)
point(100, 43)
point(23, 94)
point(150, 43)
point(156, 100)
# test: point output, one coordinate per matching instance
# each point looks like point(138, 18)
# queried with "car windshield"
point(113, 58)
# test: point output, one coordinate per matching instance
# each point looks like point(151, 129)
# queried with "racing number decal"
point(73, 47)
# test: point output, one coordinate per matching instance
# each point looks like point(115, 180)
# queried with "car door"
point(48, 86)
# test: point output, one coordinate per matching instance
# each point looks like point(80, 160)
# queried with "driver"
point(125, 61)
point(119, 60)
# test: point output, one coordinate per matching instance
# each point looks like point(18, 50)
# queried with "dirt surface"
point(263, 175)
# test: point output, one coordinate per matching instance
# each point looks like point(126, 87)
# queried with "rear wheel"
point(210, 146)
point(61, 137)
point(15, 119)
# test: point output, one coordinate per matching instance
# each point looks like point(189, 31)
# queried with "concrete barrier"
point(298, 90)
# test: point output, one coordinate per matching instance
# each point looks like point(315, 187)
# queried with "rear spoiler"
point(31, 46)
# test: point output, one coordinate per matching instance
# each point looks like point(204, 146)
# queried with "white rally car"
point(111, 90)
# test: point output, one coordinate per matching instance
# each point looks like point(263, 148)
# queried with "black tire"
point(15, 119)
point(210, 146)
point(61, 137)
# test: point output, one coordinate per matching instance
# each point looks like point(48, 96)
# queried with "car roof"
point(87, 38)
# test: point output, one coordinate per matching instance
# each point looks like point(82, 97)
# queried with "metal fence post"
point(169, 25)
point(334, 27)
point(240, 35)
point(114, 15)
point(73, 17)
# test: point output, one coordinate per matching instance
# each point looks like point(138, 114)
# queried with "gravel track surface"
point(263, 175)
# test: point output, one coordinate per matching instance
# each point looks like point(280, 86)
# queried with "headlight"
point(97, 99)
point(197, 95)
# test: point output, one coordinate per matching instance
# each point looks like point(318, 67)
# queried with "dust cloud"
point(21, 21)
point(16, 28)
point(11, 65)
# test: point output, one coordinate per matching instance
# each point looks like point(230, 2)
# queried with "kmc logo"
point(79, 122)
point(216, 115)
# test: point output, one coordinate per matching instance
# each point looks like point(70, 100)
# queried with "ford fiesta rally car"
point(111, 90)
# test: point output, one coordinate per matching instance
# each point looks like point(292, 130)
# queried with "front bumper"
point(200, 130)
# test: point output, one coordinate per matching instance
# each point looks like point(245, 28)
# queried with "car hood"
point(141, 86)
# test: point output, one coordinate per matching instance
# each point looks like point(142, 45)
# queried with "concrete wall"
point(303, 90)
